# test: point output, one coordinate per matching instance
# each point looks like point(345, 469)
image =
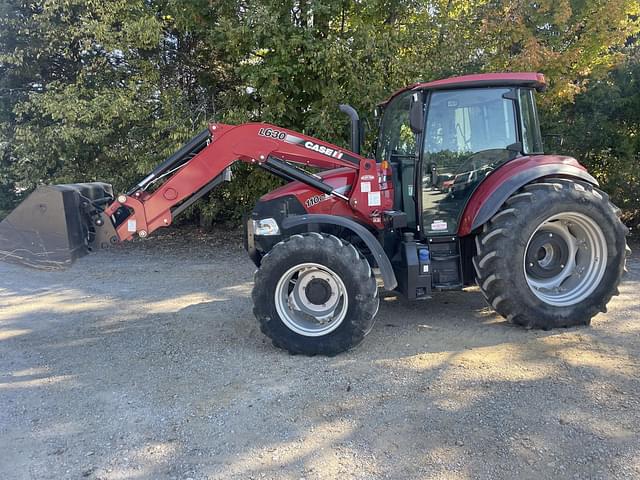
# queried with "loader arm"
point(262, 144)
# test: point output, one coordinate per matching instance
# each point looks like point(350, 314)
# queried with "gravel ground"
point(146, 362)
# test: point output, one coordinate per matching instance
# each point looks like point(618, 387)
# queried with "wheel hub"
point(565, 259)
point(547, 254)
point(311, 299)
point(318, 291)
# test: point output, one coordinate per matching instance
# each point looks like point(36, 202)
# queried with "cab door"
point(467, 134)
point(398, 145)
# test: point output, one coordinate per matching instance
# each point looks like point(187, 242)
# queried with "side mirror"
point(377, 116)
point(416, 113)
point(553, 142)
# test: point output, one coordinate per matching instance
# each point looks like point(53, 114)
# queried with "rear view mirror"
point(416, 113)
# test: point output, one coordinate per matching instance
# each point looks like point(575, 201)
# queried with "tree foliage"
point(602, 128)
point(104, 90)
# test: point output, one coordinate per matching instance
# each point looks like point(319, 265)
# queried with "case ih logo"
point(330, 152)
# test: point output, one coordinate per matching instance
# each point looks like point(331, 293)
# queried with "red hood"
point(337, 178)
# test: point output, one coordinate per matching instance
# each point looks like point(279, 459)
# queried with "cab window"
point(468, 134)
point(396, 138)
point(469, 121)
point(531, 137)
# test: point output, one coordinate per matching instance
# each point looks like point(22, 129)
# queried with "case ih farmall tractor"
point(459, 192)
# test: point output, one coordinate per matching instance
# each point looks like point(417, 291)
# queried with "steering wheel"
point(483, 161)
point(470, 164)
point(477, 160)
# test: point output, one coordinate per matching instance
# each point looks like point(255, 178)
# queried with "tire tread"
point(331, 246)
point(500, 235)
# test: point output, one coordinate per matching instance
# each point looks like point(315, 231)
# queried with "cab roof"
point(514, 79)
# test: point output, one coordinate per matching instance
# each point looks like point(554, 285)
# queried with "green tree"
point(97, 90)
point(602, 129)
point(571, 41)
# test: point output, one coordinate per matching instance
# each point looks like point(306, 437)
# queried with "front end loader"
point(458, 192)
point(56, 225)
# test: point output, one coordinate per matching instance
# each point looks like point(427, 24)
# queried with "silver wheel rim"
point(311, 299)
point(565, 259)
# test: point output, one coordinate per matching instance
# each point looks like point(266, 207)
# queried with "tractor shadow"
point(448, 321)
point(155, 368)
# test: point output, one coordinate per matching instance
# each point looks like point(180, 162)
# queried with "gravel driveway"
point(146, 362)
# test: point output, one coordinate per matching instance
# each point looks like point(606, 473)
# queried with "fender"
point(506, 180)
point(388, 275)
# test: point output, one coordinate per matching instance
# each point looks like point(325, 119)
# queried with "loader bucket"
point(54, 225)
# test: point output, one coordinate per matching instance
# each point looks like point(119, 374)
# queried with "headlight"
point(266, 226)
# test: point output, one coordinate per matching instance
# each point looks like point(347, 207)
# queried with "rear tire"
point(552, 256)
point(311, 273)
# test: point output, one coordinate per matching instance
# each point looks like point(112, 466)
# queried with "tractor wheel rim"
point(311, 299)
point(565, 259)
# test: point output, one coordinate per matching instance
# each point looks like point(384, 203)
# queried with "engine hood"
point(339, 178)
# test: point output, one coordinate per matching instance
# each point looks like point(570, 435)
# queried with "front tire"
point(314, 294)
point(552, 256)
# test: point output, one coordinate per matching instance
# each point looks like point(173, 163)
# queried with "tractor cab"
point(442, 139)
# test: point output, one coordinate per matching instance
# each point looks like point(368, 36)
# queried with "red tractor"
point(459, 192)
